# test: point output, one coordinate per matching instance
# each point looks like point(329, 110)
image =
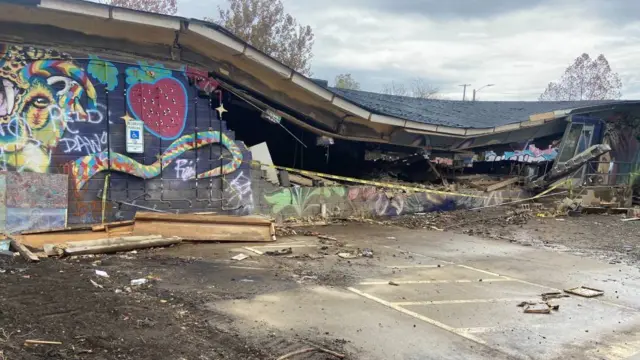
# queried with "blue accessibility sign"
point(134, 134)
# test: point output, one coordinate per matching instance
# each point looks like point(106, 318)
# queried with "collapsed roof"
point(262, 80)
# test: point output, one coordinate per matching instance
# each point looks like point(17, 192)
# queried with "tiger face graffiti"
point(39, 89)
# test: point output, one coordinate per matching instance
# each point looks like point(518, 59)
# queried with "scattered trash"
point(118, 291)
point(311, 233)
point(102, 273)
point(5, 245)
point(286, 251)
point(393, 283)
point(41, 342)
point(346, 255)
point(96, 284)
point(553, 295)
point(326, 237)
point(247, 280)
point(585, 291)
point(367, 253)
point(138, 282)
point(537, 308)
point(240, 257)
point(391, 237)
point(255, 251)
point(525, 303)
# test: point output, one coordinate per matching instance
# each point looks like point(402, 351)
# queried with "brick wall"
point(69, 116)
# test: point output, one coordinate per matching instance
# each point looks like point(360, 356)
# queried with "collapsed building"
point(107, 111)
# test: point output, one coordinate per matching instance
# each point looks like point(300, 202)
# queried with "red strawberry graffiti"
point(162, 105)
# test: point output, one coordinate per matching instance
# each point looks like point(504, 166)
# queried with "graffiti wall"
point(68, 114)
point(529, 154)
point(32, 201)
point(369, 201)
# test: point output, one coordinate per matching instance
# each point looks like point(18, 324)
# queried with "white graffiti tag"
point(85, 144)
point(185, 169)
point(240, 195)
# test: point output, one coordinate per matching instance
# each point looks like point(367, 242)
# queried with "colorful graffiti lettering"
point(86, 167)
point(530, 155)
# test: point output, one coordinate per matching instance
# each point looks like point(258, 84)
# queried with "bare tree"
point(421, 89)
point(167, 7)
point(394, 88)
point(418, 88)
point(585, 79)
point(265, 25)
point(346, 81)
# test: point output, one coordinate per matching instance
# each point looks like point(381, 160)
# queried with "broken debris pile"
point(146, 231)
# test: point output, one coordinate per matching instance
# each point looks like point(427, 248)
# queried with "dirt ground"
point(57, 300)
point(95, 317)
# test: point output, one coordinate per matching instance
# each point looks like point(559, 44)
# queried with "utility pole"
point(475, 91)
point(464, 91)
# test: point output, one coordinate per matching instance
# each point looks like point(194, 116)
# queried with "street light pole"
point(476, 91)
point(464, 91)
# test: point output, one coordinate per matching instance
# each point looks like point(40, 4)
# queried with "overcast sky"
point(518, 45)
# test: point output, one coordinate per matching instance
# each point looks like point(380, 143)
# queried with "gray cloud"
point(519, 45)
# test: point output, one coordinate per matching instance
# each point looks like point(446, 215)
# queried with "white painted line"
point(480, 330)
point(409, 282)
point(248, 268)
point(415, 254)
point(469, 301)
point(253, 250)
point(479, 270)
point(436, 323)
point(417, 316)
point(414, 266)
point(283, 246)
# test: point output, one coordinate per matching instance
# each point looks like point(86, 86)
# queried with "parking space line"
point(414, 266)
point(409, 282)
point(415, 315)
point(297, 245)
point(249, 268)
point(469, 301)
point(507, 278)
point(479, 270)
point(480, 330)
point(416, 254)
point(436, 323)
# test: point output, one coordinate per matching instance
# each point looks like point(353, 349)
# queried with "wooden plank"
point(111, 225)
point(205, 231)
point(38, 240)
point(126, 245)
point(191, 218)
point(26, 253)
point(300, 180)
point(502, 184)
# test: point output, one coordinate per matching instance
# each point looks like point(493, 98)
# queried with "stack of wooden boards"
point(150, 230)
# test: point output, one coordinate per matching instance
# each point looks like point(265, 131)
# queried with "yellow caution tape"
point(365, 182)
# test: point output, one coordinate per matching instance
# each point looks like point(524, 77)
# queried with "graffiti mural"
point(531, 154)
point(372, 201)
point(299, 201)
point(86, 167)
point(30, 201)
point(67, 114)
